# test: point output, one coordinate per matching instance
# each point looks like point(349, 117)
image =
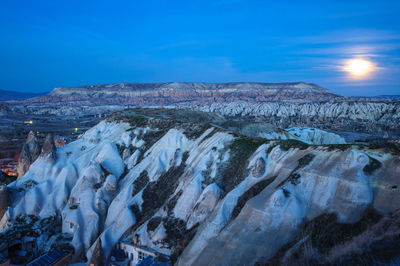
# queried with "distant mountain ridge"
point(195, 93)
point(388, 97)
point(196, 86)
point(282, 104)
point(6, 95)
point(172, 93)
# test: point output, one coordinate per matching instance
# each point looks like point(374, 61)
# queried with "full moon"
point(358, 67)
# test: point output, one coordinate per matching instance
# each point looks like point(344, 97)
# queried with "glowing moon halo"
point(358, 67)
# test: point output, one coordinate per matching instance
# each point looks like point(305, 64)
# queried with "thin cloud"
point(350, 36)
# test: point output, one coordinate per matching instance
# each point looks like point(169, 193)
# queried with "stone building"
point(135, 254)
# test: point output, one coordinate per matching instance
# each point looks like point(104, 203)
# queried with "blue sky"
point(45, 44)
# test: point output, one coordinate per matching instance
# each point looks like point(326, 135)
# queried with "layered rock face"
point(186, 92)
point(29, 153)
point(48, 148)
point(282, 104)
point(197, 192)
point(4, 200)
point(298, 191)
point(342, 116)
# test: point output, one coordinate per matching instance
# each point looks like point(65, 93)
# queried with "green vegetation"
point(30, 183)
point(137, 121)
point(294, 176)
point(120, 149)
point(157, 192)
point(250, 193)
point(207, 175)
point(134, 121)
point(136, 210)
point(153, 223)
point(292, 144)
point(172, 202)
point(234, 171)
point(387, 147)
point(305, 160)
point(102, 178)
point(270, 148)
point(319, 237)
point(178, 237)
point(372, 166)
point(161, 123)
point(97, 186)
point(193, 131)
point(207, 178)
point(140, 182)
point(152, 137)
point(340, 147)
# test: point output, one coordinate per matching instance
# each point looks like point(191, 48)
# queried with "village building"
point(126, 253)
point(54, 257)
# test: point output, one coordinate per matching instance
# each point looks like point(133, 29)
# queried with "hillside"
point(192, 186)
point(282, 104)
point(173, 93)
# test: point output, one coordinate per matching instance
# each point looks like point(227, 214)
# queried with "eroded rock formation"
point(29, 153)
point(205, 196)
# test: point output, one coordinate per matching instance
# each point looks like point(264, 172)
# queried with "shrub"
point(250, 193)
point(30, 183)
point(372, 166)
point(318, 237)
point(292, 144)
point(97, 186)
point(340, 147)
point(235, 170)
point(140, 182)
point(153, 223)
point(193, 131)
point(157, 192)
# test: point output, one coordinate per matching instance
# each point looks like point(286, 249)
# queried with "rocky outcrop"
point(373, 117)
point(29, 153)
point(314, 136)
point(185, 92)
point(98, 258)
point(299, 190)
point(49, 148)
point(201, 194)
point(281, 104)
point(4, 200)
